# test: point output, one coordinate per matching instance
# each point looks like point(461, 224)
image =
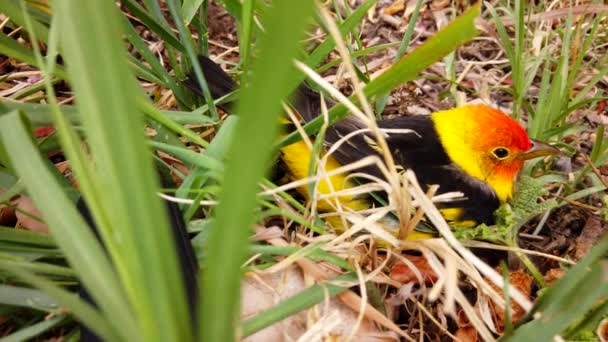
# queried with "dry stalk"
point(402, 202)
point(481, 244)
point(439, 222)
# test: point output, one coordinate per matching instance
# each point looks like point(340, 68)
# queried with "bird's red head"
point(488, 145)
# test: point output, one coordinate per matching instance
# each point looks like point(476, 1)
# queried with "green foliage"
point(559, 60)
point(258, 110)
point(581, 291)
point(526, 204)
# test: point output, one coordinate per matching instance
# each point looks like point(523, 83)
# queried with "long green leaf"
point(189, 8)
point(258, 109)
point(11, 9)
point(79, 245)
point(10, 47)
point(30, 332)
point(41, 114)
point(199, 176)
point(201, 160)
point(23, 236)
point(28, 298)
point(42, 268)
point(321, 51)
point(166, 35)
point(130, 216)
point(569, 298)
point(85, 312)
point(186, 38)
point(405, 43)
point(233, 7)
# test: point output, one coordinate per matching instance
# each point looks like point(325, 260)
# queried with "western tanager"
point(475, 150)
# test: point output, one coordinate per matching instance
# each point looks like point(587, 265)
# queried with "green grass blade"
point(156, 115)
point(321, 51)
point(27, 298)
point(200, 160)
point(189, 9)
point(199, 177)
point(186, 38)
point(22, 236)
point(43, 268)
point(233, 7)
point(166, 35)
point(41, 114)
point(583, 286)
point(258, 110)
point(153, 61)
point(359, 53)
point(11, 48)
point(84, 312)
point(405, 43)
point(30, 332)
point(130, 216)
point(203, 29)
point(445, 41)
point(11, 9)
point(79, 245)
point(246, 32)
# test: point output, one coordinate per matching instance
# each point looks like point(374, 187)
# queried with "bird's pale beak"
point(539, 149)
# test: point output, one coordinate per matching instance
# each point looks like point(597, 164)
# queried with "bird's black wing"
point(412, 141)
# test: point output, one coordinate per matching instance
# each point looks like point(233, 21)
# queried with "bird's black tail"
point(218, 81)
point(186, 257)
point(305, 101)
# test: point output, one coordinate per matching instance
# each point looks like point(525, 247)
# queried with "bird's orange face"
point(488, 145)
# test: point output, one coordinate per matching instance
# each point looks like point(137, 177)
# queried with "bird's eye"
point(500, 153)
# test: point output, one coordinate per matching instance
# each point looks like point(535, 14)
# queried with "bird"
point(473, 149)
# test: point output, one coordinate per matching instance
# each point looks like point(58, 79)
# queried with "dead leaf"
point(467, 334)
point(592, 232)
point(404, 274)
point(438, 5)
point(395, 7)
point(554, 274)
point(521, 281)
point(466, 331)
point(262, 291)
point(28, 215)
point(602, 330)
point(174, 162)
